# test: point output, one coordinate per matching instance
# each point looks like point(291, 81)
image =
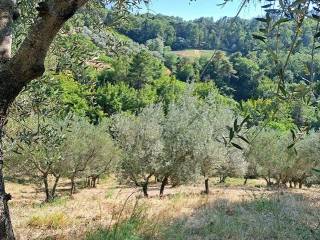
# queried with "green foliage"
point(272, 157)
point(144, 69)
point(117, 98)
point(140, 140)
point(202, 33)
point(77, 98)
point(247, 79)
point(186, 70)
point(180, 139)
point(117, 73)
point(204, 90)
point(218, 69)
point(88, 150)
point(169, 90)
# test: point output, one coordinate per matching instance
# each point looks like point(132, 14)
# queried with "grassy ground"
point(194, 53)
point(110, 211)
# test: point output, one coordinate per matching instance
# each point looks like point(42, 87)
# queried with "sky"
point(201, 8)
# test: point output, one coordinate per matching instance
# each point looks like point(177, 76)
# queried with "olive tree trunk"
point(55, 185)
point(73, 185)
point(27, 64)
point(163, 185)
point(206, 186)
point(46, 187)
point(145, 190)
point(6, 231)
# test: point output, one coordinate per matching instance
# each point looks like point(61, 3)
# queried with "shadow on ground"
point(278, 215)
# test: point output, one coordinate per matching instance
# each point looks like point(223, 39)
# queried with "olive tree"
point(36, 152)
point(87, 152)
point(305, 158)
point(233, 164)
point(180, 136)
point(139, 138)
point(210, 155)
point(211, 151)
point(274, 157)
point(269, 153)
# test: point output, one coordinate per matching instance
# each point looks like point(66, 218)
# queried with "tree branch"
point(28, 62)
point(6, 19)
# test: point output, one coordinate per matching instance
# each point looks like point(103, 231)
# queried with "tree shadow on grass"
point(276, 216)
point(279, 215)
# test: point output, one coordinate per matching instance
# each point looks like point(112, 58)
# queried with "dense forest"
point(227, 34)
point(154, 100)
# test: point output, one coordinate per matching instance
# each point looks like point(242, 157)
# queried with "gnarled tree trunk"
point(46, 187)
point(6, 97)
point(6, 231)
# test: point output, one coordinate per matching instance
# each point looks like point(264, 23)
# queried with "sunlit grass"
point(51, 221)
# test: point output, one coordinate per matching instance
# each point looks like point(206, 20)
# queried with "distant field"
point(194, 53)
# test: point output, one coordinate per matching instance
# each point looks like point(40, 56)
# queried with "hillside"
point(123, 126)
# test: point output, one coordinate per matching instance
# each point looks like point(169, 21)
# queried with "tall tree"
point(26, 64)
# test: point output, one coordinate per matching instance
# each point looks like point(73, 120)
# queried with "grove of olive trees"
point(112, 99)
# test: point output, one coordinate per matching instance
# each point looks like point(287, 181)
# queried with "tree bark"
point(54, 187)
point(88, 182)
point(6, 15)
point(6, 231)
point(145, 189)
point(46, 187)
point(222, 179)
point(73, 186)
point(206, 185)
point(245, 181)
point(94, 181)
point(163, 184)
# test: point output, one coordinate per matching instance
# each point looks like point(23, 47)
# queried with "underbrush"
point(123, 229)
point(127, 230)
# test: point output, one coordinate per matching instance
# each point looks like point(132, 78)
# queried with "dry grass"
point(51, 221)
point(231, 211)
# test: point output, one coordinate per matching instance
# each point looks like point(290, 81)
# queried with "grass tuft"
point(50, 221)
point(126, 230)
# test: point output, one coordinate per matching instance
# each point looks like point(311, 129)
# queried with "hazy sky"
point(201, 8)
